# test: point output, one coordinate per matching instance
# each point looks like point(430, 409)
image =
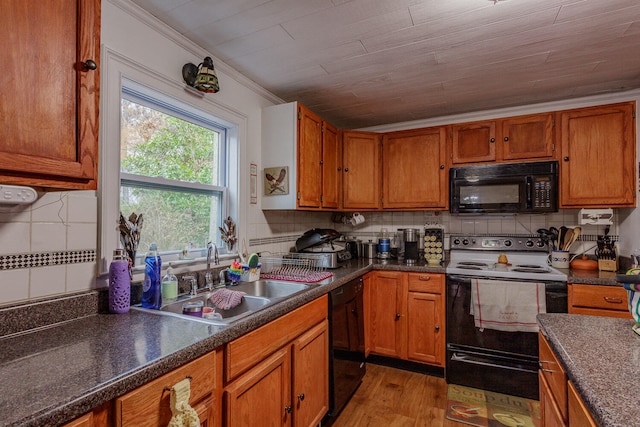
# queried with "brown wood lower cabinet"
point(560, 404)
point(278, 374)
point(149, 405)
point(598, 300)
point(406, 316)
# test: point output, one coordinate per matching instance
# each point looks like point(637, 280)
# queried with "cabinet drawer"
point(598, 297)
point(149, 405)
point(554, 374)
point(257, 345)
point(426, 282)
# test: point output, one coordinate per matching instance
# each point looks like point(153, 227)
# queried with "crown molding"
point(195, 49)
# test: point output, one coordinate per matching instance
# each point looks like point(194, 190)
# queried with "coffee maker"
point(410, 242)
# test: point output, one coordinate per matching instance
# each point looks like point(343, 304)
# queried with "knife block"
point(608, 264)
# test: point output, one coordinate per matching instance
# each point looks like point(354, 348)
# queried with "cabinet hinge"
point(299, 115)
point(298, 195)
point(553, 123)
point(633, 113)
point(322, 128)
point(553, 147)
point(320, 199)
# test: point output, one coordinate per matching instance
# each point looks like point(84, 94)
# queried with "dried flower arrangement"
point(228, 233)
point(130, 235)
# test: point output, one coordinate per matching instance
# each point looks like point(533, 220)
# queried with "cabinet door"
point(598, 157)
point(309, 170)
point(413, 169)
point(367, 282)
point(527, 137)
point(331, 166)
point(386, 314)
point(311, 376)
point(549, 412)
point(361, 170)
point(262, 396)
point(425, 328)
point(83, 421)
point(579, 415)
point(49, 127)
point(474, 142)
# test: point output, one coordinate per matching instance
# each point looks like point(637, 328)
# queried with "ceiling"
point(361, 63)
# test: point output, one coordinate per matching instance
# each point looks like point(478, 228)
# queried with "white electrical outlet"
point(17, 195)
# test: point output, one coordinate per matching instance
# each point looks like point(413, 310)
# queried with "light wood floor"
point(394, 397)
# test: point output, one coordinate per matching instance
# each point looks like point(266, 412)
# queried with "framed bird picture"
point(276, 181)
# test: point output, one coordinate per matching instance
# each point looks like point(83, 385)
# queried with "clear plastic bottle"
point(169, 285)
point(151, 288)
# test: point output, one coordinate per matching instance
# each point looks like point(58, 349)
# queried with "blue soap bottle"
point(151, 287)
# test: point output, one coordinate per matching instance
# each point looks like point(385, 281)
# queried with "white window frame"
point(114, 69)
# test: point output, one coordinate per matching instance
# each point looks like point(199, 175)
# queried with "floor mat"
point(483, 408)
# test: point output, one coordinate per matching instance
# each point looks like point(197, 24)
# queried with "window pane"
point(172, 219)
point(156, 144)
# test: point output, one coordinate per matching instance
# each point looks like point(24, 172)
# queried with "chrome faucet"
point(212, 249)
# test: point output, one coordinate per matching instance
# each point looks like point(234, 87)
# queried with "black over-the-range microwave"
point(504, 188)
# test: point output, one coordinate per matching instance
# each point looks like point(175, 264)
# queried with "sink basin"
point(271, 288)
point(259, 294)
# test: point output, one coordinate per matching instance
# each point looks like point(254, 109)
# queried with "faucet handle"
point(194, 284)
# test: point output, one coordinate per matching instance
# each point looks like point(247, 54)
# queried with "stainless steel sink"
point(259, 295)
point(272, 288)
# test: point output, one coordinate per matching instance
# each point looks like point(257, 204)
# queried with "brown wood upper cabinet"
point(361, 170)
point(49, 127)
point(517, 138)
point(318, 161)
point(414, 174)
point(295, 137)
point(597, 168)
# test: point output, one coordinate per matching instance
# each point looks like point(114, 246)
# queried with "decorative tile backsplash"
point(48, 248)
point(44, 259)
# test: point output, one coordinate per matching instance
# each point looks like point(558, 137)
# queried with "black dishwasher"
point(346, 344)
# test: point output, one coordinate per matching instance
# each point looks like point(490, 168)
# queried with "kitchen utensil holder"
point(608, 264)
point(290, 267)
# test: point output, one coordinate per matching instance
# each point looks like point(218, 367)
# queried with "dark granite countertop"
point(51, 375)
point(602, 357)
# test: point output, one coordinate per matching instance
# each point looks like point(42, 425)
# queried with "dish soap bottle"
point(169, 285)
point(119, 283)
point(151, 289)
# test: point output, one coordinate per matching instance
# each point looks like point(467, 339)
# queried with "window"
point(173, 170)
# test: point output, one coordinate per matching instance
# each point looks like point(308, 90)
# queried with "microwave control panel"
point(542, 192)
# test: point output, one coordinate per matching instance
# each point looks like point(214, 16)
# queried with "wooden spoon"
point(567, 239)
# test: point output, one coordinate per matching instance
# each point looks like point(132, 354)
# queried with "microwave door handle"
point(528, 195)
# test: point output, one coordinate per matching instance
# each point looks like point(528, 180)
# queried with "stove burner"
point(469, 267)
point(530, 266)
point(533, 269)
point(472, 263)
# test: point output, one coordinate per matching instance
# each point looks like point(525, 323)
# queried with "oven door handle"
point(485, 361)
point(461, 279)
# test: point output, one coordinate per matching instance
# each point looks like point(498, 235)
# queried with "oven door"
point(504, 362)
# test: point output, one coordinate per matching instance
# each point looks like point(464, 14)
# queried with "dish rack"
point(291, 267)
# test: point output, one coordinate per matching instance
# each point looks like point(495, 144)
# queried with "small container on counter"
point(193, 308)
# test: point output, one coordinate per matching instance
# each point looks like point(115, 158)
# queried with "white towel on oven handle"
point(506, 305)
